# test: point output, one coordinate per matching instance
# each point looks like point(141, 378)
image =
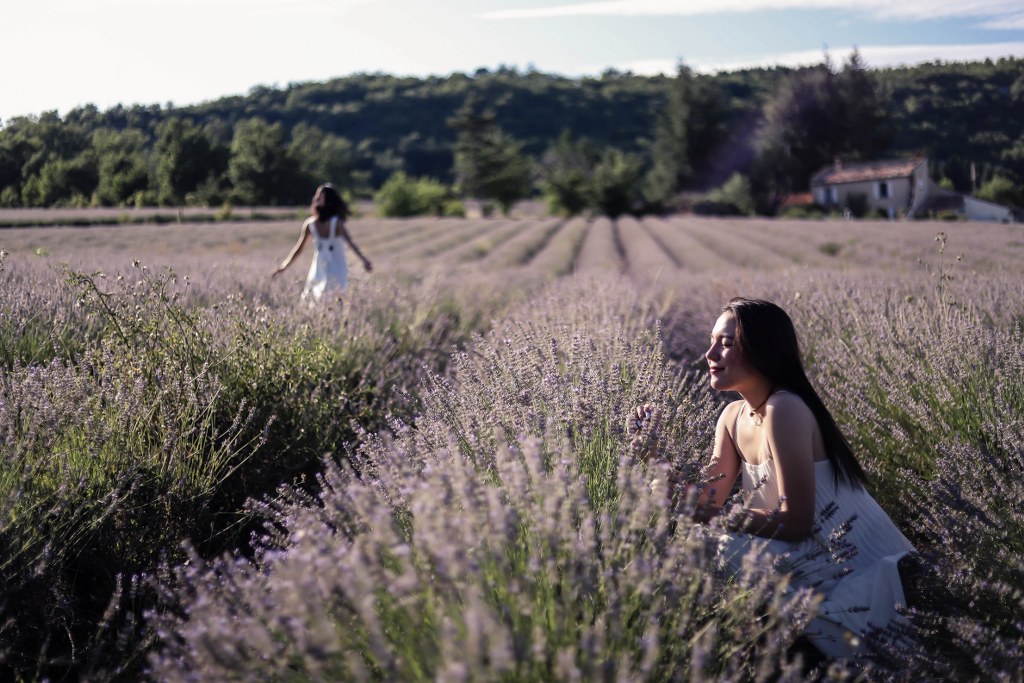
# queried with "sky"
point(62, 54)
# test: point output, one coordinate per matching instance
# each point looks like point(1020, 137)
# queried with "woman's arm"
point(791, 430)
point(724, 468)
point(343, 231)
point(299, 245)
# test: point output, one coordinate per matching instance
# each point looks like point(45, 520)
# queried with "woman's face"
point(729, 370)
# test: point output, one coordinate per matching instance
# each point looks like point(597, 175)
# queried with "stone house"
point(900, 187)
point(892, 187)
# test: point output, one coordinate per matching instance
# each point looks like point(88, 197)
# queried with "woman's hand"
point(643, 424)
point(704, 512)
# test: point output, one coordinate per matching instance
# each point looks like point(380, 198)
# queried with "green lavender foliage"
point(507, 533)
point(148, 414)
point(480, 512)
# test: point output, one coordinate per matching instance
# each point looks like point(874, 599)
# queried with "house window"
point(830, 195)
point(883, 189)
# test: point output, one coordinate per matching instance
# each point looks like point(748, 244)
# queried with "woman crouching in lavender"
point(805, 500)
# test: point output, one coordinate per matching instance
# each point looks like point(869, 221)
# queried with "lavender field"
point(429, 478)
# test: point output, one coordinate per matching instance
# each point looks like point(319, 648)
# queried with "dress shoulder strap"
point(334, 226)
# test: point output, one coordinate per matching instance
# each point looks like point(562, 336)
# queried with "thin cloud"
point(995, 12)
point(646, 8)
point(874, 56)
point(326, 7)
point(1007, 23)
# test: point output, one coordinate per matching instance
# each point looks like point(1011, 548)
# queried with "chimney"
point(837, 164)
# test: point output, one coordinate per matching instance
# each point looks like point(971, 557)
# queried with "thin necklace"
point(758, 419)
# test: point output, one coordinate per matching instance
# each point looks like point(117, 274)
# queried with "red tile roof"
point(798, 199)
point(865, 171)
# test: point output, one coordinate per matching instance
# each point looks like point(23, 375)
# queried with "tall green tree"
point(122, 166)
point(186, 158)
point(261, 169)
point(507, 177)
point(322, 157)
point(863, 115)
point(473, 125)
point(489, 163)
point(798, 132)
point(566, 174)
point(14, 151)
point(62, 181)
point(816, 116)
point(616, 182)
point(689, 126)
point(30, 144)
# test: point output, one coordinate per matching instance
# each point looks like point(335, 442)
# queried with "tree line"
point(735, 141)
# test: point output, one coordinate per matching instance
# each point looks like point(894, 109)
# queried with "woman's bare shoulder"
point(728, 415)
point(788, 406)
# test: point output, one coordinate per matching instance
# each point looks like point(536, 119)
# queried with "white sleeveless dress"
point(329, 270)
point(850, 558)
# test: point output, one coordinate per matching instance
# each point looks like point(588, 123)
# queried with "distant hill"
point(958, 114)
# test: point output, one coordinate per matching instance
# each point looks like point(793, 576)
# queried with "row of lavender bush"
point(139, 411)
point(481, 516)
point(504, 534)
point(508, 534)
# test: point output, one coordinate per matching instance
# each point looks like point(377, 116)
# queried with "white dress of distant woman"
point(325, 227)
point(806, 504)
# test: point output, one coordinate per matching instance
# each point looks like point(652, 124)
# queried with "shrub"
point(156, 424)
point(930, 393)
point(402, 196)
point(1001, 190)
point(39, 318)
point(812, 211)
point(115, 458)
point(709, 207)
point(571, 198)
point(453, 208)
point(735, 192)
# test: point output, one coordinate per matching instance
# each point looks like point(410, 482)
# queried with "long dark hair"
point(327, 202)
point(767, 339)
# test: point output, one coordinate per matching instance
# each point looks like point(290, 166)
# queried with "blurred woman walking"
point(326, 228)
